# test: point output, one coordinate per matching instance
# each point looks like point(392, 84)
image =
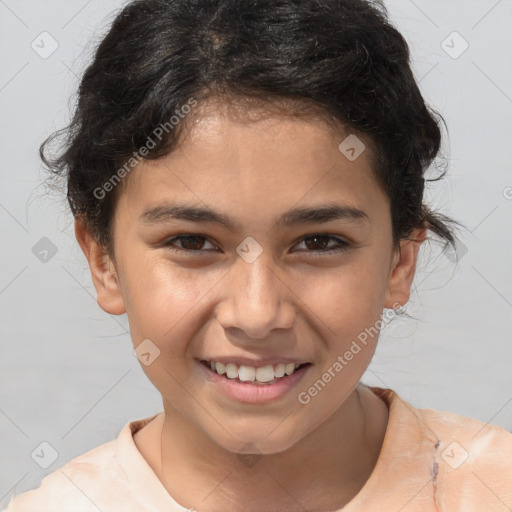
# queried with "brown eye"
point(189, 243)
point(320, 244)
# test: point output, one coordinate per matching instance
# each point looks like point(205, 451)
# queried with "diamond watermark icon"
point(457, 253)
point(44, 45)
point(352, 147)
point(44, 250)
point(454, 455)
point(146, 352)
point(251, 455)
point(249, 250)
point(44, 455)
point(454, 45)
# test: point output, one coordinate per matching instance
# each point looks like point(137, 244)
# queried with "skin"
point(287, 302)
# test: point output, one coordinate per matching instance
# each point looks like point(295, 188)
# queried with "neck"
point(323, 471)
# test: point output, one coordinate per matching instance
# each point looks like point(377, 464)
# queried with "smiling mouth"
point(263, 375)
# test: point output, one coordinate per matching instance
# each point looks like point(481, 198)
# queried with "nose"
point(256, 301)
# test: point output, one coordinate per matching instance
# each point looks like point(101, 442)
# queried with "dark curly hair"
point(340, 59)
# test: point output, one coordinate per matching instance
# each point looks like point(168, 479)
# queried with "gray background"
point(67, 372)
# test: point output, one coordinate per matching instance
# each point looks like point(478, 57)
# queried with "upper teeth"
point(250, 373)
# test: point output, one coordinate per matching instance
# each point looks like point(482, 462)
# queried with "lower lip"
point(255, 393)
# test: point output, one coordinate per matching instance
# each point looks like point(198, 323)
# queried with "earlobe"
point(103, 271)
point(403, 269)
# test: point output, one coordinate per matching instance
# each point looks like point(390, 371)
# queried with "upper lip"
point(256, 363)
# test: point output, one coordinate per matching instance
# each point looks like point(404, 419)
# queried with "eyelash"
point(342, 244)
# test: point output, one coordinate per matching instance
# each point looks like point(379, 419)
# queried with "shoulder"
point(79, 485)
point(472, 461)
point(469, 442)
point(463, 437)
point(465, 464)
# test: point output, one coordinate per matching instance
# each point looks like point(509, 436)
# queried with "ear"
point(403, 269)
point(103, 272)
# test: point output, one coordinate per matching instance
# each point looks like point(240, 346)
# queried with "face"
point(258, 244)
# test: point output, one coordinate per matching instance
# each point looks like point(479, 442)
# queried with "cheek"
point(164, 305)
point(346, 299)
point(163, 302)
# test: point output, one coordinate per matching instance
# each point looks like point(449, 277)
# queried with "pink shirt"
point(431, 461)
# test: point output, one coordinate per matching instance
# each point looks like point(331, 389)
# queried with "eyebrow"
point(162, 214)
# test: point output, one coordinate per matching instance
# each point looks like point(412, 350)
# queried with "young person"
point(247, 183)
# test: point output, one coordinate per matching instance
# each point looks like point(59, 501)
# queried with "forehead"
point(251, 161)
